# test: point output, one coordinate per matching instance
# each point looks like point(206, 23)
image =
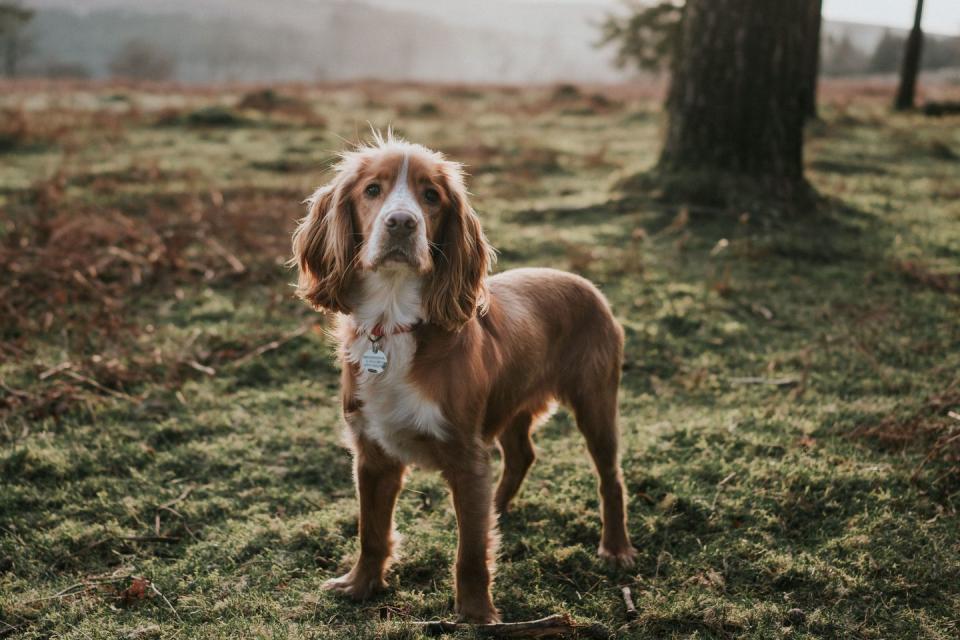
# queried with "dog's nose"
point(400, 223)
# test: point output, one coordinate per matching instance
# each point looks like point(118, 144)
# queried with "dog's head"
point(394, 205)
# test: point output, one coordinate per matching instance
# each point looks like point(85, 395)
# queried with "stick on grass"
point(560, 624)
point(628, 600)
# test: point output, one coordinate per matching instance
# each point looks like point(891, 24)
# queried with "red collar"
point(378, 331)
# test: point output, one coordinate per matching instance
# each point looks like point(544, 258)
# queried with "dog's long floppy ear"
point(462, 257)
point(325, 247)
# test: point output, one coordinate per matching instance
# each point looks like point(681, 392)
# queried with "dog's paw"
point(356, 585)
point(624, 558)
point(477, 613)
point(479, 617)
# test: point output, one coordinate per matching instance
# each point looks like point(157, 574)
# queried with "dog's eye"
point(432, 196)
point(372, 190)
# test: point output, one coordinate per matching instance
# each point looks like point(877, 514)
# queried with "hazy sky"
point(939, 16)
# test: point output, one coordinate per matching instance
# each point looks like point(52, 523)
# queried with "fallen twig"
point(270, 346)
point(560, 624)
point(14, 392)
point(63, 593)
point(77, 588)
point(193, 364)
point(127, 256)
point(168, 507)
point(937, 447)
point(164, 598)
point(762, 311)
point(93, 383)
point(6, 346)
point(713, 505)
point(180, 498)
point(66, 368)
point(232, 260)
point(628, 600)
point(165, 539)
point(776, 382)
point(176, 513)
point(52, 371)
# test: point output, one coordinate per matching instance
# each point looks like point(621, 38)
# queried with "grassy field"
point(170, 458)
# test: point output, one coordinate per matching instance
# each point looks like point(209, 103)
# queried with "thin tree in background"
point(906, 93)
point(814, 20)
point(739, 92)
point(14, 39)
point(646, 35)
point(141, 60)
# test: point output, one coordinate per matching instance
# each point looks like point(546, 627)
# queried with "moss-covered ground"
point(170, 457)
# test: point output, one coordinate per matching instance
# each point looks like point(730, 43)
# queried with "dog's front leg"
point(473, 501)
point(379, 480)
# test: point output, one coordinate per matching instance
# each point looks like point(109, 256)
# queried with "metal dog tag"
point(374, 360)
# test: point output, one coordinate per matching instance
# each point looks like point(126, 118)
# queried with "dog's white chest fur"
point(394, 413)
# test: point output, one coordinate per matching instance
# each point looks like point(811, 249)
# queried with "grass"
point(168, 411)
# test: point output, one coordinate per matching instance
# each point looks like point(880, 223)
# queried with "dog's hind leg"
point(596, 413)
point(516, 450)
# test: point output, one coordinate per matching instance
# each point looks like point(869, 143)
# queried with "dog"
point(440, 359)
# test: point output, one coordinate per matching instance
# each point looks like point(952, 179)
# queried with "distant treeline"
point(100, 44)
point(336, 41)
point(842, 55)
point(341, 41)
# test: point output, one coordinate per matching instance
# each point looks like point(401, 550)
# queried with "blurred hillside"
point(216, 40)
point(851, 49)
point(495, 41)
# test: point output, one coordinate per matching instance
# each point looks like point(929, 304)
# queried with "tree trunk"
point(815, 10)
point(738, 95)
point(10, 55)
point(911, 64)
point(14, 40)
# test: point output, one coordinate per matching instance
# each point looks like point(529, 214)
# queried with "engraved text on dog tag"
point(374, 360)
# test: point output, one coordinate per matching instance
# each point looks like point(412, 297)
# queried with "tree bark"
point(10, 55)
point(815, 10)
point(906, 92)
point(738, 93)
point(16, 42)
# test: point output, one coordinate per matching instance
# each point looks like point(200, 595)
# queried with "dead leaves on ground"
point(921, 273)
point(64, 265)
point(137, 590)
point(123, 590)
point(80, 271)
point(936, 420)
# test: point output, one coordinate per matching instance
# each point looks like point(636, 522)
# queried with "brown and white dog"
point(439, 360)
